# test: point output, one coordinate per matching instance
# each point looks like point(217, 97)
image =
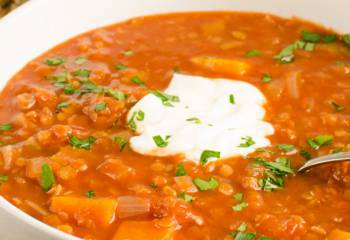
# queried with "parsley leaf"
point(100, 106)
point(286, 55)
point(207, 154)
point(204, 185)
point(305, 154)
point(266, 78)
point(329, 38)
point(3, 179)
point(121, 66)
point(248, 141)
point(137, 80)
point(194, 120)
point(138, 115)
point(180, 170)
point(160, 142)
point(90, 194)
point(186, 197)
point(81, 143)
point(121, 142)
point(166, 98)
point(62, 105)
point(80, 60)
point(319, 141)
point(54, 61)
point(337, 107)
point(346, 38)
point(85, 73)
point(238, 196)
point(311, 37)
point(253, 53)
point(47, 178)
point(232, 99)
point(285, 147)
point(5, 127)
point(239, 207)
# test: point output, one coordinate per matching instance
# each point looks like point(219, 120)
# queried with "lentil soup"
point(65, 156)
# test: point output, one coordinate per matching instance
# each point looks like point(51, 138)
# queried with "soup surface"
point(65, 157)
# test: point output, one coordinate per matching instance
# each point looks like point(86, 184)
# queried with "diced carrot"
point(337, 234)
point(221, 65)
point(145, 230)
point(100, 211)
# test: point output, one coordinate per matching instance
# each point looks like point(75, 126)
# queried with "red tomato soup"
point(65, 157)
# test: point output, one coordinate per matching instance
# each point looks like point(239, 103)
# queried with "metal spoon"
point(331, 158)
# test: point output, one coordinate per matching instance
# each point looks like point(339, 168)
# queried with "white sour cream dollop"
point(219, 115)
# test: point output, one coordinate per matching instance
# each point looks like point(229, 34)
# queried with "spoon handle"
point(336, 157)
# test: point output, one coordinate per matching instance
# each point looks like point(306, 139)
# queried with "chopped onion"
point(129, 206)
point(185, 184)
point(293, 84)
point(7, 156)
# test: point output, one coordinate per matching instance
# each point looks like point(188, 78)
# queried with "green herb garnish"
point(100, 106)
point(194, 120)
point(238, 196)
point(232, 99)
point(186, 197)
point(137, 80)
point(253, 53)
point(207, 154)
point(319, 141)
point(160, 142)
point(5, 127)
point(80, 60)
point(121, 66)
point(337, 107)
point(305, 154)
point(90, 194)
point(62, 105)
point(166, 98)
point(3, 179)
point(84, 73)
point(266, 78)
point(54, 61)
point(121, 142)
point(47, 178)
point(346, 38)
point(180, 170)
point(81, 143)
point(204, 185)
point(247, 142)
point(240, 206)
point(286, 147)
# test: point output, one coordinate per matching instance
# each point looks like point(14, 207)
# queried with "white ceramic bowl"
point(41, 24)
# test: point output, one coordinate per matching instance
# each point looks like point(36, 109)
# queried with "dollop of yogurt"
point(200, 118)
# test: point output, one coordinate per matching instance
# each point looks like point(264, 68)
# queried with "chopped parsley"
point(47, 178)
point(194, 120)
point(240, 206)
point(319, 141)
point(238, 196)
point(337, 107)
point(253, 53)
point(285, 147)
point(241, 234)
point(274, 173)
point(166, 98)
point(286, 55)
point(137, 80)
point(121, 66)
point(58, 78)
point(186, 197)
point(311, 36)
point(232, 99)
point(346, 38)
point(160, 142)
point(115, 94)
point(62, 105)
point(329, 38)
point(266, 78)
point(247, 142)
point(121, 142)
point(127, 53)
point(5, 127)
point(204, 185)
point(265, 150)
point(100, 106)
point(139, 115)
point(90, 194)
point(84, 73)
point(81, 143)
point(3, 179)
point(207, 154)
point(305, 154)
point(180, 170)
point(338, 150)
point(90, 87)
point(54, 61)
point(80, 60)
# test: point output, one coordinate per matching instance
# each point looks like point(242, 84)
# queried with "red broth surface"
point(65, 160)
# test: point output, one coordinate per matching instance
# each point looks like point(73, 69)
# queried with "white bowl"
point(41, 24)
